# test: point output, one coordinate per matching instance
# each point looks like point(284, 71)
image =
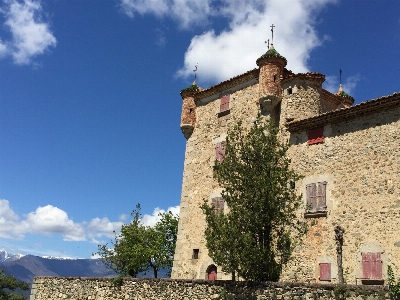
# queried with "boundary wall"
point(77, 288)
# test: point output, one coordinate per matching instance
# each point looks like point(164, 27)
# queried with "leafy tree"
point(257, 234)
point(139, 248)
point(8, 284)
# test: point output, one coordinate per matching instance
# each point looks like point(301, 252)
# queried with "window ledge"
point(315, 214)
point(372, 281)
point(224, 113)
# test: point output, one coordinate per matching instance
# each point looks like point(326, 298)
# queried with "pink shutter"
point(214, 204)
point(366, 265)
point(220, 151)
point(321, 196)
point(311, 197)
point(316, 136)
point(324, 271)
point(224, 105)
point(376, 266)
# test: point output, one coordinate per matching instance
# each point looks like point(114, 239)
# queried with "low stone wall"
point(77, 288)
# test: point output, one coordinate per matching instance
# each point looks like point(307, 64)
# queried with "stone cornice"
point(309, 76)
point(227, 84)
point(343, 114)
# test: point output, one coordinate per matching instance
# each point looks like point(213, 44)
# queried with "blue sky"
point(90, 105)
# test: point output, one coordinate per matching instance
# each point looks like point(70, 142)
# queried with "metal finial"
point(272, 31)
point(340, 80)
point(267, 42)
point(195, 70)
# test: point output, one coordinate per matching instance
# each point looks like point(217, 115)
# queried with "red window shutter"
point(366, 264)
point(220, 151)
point(321, 196)
point(316, 136)
point(376, 266)
point(324, 271)
point(224, 105)
point(311, 197)
point(371, 265)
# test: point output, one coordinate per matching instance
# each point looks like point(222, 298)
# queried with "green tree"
point(8, 284)
point(139, 248)
point(257, 234)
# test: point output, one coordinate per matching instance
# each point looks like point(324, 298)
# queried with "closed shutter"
point(376, 266)
point(224, 105)
point(220, 151)
point(311, 196)
point(371, 265)
point(218, 204)
point(316, 136)
point(324, 271)
point(321, 196)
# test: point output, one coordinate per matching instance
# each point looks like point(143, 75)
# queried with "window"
point(218, 204)
point(195, 254)
point(316, 136)
point(325, 271)
point(224, 105)
point(220, 151)
point(316, 197)
point(371, 266)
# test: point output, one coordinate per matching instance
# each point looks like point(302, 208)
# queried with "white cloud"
point(51, 220)
point(187, 12)
point(151, 220)
point(331, 84)
point(233, 51)
point(31, 36)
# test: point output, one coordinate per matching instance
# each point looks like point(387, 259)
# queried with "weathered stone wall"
point(198, 183)
point(52, 288)
point(360, 159)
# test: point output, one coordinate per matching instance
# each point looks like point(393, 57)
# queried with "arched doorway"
point(212, 272)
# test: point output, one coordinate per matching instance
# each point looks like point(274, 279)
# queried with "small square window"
point(220, 151)
point(371, 266)
point(224, 107)
point(325, 272)
point(316, 199)
point(218, 204)
point(195, 254)
point(316, 136)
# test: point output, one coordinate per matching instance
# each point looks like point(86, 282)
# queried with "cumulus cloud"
point(224, 54)
point(151, 220)
point(50, 220)
point(30, 35)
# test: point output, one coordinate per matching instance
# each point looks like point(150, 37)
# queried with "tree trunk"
point(233, 276)
point(155, 271)
point(339, 231)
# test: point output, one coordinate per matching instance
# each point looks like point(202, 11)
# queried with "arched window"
point(212, 272)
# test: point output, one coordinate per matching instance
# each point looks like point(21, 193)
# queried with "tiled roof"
point(343, 114)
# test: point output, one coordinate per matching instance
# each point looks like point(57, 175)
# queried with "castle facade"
point(348, 154)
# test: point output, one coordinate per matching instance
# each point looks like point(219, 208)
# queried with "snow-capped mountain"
point(5, 256)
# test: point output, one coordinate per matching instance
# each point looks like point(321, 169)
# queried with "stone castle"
point(348, 154)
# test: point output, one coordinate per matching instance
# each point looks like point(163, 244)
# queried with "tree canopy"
point(259, 229)
point(139, 248)
point(8, 284)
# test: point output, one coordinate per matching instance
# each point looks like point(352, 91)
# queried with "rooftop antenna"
point(340, 81)
point(195, 70)
point(272, 31)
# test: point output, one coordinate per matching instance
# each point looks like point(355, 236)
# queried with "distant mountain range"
point(25, 267)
